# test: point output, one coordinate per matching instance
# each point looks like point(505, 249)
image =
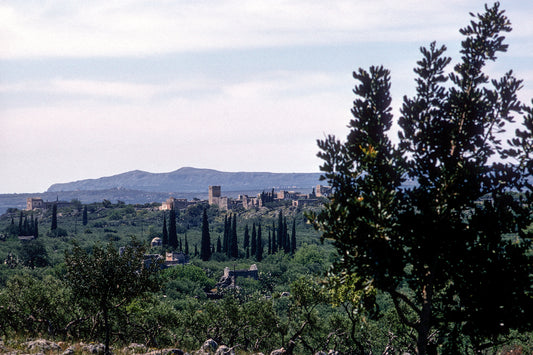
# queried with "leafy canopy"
point(435, 222)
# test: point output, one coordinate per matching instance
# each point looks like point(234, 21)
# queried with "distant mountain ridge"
point(189, 179)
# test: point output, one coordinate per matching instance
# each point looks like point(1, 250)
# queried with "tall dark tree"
point(246, 241)
point(253, 246)
point(53, 227)
point(226, 238)
point(85, 218)
point(269, 246)
point(21, 221)
point(205, 251)
point(36, 228)
point(31, 226)
point(259, 246)
point(286, 238)
point(172, 231)
point(186, 248)
point(441, 255)
point(165, 231)
point(26, 226)
point(280, 241)
point(274, 239)
point(293, 237)
point(234, 241)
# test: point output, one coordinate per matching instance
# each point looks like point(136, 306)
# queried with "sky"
point(96, 88)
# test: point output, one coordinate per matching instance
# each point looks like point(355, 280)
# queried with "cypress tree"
point(274, 248)
point(165, 231)
point(26, 226)
point(186, 245)
point(246, 242)
point(54, 218)
point(225, 240)
point(234, 243)
point(31, 227)
point(269, 243)
point(254, 241)
point(286, 238)
point(281, 244)
point(259, 246)
point(293, 237)
point(172, 233)
point(20, 223)
point(219, 245)
point(85, 218)
point(36, 229)
point(205, 252)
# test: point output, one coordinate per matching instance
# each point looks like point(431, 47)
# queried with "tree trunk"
point(425, 320)
point(107, 330)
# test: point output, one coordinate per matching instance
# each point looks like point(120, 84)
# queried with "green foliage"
point(35, 306)
point(33, 254)
point(444, 258)
point(53, 226)
point(186, 281)
point(205, 252)
point(106, 279)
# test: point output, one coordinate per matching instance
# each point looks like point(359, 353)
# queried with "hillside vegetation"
point(287, 306)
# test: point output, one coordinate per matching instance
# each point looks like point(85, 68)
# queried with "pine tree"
point(259, 246)
point(165, 231)
point(85, 218)
point(205, 251)
point(172, 232)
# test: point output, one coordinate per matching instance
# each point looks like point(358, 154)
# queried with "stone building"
point(33, 203)
point(323, 191)
point(214, 195)
point(174, 203)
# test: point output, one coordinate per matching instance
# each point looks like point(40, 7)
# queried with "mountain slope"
point(193, 180)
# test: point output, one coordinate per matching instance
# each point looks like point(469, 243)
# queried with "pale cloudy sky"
point(96, 88)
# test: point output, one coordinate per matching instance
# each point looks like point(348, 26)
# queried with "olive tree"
point(107, 279)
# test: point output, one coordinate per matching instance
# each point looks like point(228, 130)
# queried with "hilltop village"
point(243, 201)
point(215, 198)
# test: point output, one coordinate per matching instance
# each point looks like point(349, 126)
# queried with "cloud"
point(59, 28)
point(250, 124)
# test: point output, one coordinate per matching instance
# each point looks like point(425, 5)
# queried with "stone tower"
point(214, 195)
